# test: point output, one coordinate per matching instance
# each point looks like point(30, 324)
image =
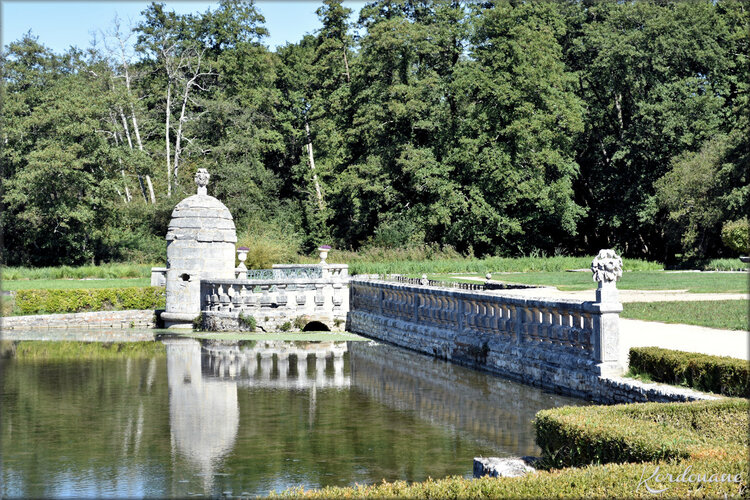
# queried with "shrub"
point(736, 235)
point(93, 299)
point(719, 374)
point(648, 432)
point(285, 326)
point(247, 322)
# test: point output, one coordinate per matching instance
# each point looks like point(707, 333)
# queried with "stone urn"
point(242, 257)
point(323, 249)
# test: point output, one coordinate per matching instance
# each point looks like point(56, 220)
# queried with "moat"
point(180, 417)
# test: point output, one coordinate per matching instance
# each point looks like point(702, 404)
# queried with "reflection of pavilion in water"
point(492, 410)
point(278, 364)
point(203, 408)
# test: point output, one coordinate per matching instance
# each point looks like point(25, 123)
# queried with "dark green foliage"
point(247, 322)
point(719, 374)
point(285, 326)
point(493, 128)
point(95, 299)
point(736, 236)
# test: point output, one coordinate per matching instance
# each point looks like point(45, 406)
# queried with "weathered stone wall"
point(563, 346)
point(274, 302)
point(85, 320)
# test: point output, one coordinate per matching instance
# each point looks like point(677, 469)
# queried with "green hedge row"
point(647, 432)
point(718, 374)
point(92, 299)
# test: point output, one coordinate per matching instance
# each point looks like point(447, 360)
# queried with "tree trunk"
point(312, 166)
point(125, 183)
point(346, 65)
point(150, 189)
point(166, 140)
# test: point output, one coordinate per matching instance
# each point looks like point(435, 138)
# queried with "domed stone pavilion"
point(200, 245)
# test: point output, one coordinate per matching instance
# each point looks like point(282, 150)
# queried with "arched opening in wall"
point(316, 326)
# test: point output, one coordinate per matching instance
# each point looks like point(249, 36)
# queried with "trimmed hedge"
point(709, 437)
point(92, 299)
point(718, 374)
point(646, 432)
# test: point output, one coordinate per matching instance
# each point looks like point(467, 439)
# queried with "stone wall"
point(84, 320)
point(276, 301)
point(563, 346)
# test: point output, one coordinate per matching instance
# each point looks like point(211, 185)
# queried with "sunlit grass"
point(725, 314)
point(59, 284)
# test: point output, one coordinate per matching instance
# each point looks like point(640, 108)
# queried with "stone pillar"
point(607, 268)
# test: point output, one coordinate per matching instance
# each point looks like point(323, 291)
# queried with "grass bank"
point(725, 314)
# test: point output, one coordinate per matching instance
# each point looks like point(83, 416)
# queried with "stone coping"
point(509, 298)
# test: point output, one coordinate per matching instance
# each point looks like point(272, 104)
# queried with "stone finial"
point(201, 179)
point(607, 266)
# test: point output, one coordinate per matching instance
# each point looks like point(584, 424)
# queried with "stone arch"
point(316, 326)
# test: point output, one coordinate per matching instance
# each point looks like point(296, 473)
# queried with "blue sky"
point(60, 24)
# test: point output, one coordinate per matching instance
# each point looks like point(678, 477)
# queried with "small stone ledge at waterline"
point(84, 320)
point(504, 467)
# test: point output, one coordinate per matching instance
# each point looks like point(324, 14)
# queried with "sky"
point(61, 24)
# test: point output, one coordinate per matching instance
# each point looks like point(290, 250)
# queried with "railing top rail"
point(562, 303)
point(271, 281)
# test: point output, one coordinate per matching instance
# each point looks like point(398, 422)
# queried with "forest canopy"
point(495, 128)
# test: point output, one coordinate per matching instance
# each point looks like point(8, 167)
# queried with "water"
point(178, 418)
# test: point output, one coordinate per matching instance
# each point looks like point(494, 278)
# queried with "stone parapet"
point(275, 301)
point(565, 346)
point(84, 320)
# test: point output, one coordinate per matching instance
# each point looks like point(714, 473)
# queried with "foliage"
point(736, 235)
point(285, 326)
point(33, 350)
point(95, 299)
point(490, 128)
point(269, 243)
point(726, 314)
point(247, 322)
point(650, 432)
point(719, 374)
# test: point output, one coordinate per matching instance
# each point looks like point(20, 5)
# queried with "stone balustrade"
point(282, 297)
point(560, 344)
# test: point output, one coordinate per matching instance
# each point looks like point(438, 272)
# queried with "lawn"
point(58, 284)
point(725, 314)
point(698, 282)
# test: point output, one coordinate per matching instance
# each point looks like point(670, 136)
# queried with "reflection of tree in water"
point(203, 412)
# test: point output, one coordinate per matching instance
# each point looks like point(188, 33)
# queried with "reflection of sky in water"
point(251, 418)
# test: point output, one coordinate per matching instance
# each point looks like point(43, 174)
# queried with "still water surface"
point(183, 417)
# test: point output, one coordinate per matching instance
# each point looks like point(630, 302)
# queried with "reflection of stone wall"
point(203, 413)
point(279, 364)
point(495, 410)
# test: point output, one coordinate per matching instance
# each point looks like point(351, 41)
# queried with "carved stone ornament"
point(607, 266)
point(201, 179)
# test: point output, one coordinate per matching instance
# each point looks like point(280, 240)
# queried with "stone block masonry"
point(85, 320)
point(569, 347)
